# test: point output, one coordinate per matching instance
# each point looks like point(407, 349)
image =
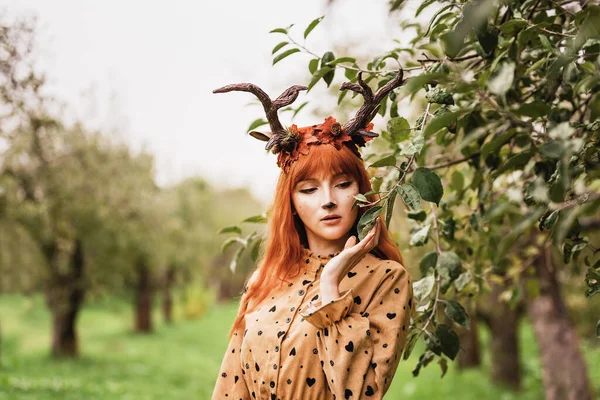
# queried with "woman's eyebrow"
point(315, 179)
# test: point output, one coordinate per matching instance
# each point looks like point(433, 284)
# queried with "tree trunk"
point(564, 371)
point(64, 295)
point(469, 356)
point(504, 340)
point(167, 295)
point(143, 299)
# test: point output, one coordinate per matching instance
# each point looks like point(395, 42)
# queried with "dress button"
point(276, 348)
point(288, 319)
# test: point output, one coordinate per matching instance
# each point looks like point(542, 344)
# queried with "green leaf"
point(278, 47)
point(236, 259)
point(340, 60)
point(448, 341)
point(458, 181)
point(502, 80)
point(229, 229)
point(361, 197)
point(428, 184)
point(416, 83)
point(422, 288)
point(462, 281)
point(411, 340)
point(254, 250)
point(497, 142)
point(284, 55)
point(229, 241)
point(328, 57)
point(553, 149)
point(350, 75)
point(451, 43)
point(313, 65)
point(390, 208)
point(312, 25)
point(417, 215)
point(449, 266)
point(428, 263)
point(424, 360)
point(515, 162)
point(300, 107)
point(439, 95)
point(441, 121)
point(256, 219)
point(367, 221)
point(388, 161)
point(256, 123)
point(534, 109)
point(419, 238)
point(410, 196)
point(399, 128)
point(443, 366)
point(279, 30)
point(512, 26)
point(456, 312)
point(318, 75)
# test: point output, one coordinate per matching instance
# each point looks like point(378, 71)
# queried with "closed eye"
point(345, 184)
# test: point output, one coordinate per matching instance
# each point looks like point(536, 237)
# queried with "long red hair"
point(286, 236)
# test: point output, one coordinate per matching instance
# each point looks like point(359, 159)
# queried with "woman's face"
point(325, 207)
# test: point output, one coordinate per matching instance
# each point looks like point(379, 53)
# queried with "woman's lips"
point(331, 221)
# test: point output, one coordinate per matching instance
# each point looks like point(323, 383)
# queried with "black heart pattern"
point(293, 352)
point(351, 274)
point(369, 391)
point(273, 309)
point(280, 333)
point(350, 347)
point(347, 393)
point(391, 315)
point(310, 381)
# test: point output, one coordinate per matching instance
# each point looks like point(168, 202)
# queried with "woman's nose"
point(328, 200)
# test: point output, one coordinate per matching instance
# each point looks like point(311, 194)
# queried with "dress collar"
point(314, 262)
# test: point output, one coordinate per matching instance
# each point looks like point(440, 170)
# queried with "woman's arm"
point(360, 352)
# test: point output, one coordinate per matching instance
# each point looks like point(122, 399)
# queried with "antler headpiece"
point(292, 142)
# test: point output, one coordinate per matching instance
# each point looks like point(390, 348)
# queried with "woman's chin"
point(333, 233)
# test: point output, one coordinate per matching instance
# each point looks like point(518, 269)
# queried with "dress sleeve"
point(230, 381)
point(360, 352)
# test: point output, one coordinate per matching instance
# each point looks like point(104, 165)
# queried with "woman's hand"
point(339, 265)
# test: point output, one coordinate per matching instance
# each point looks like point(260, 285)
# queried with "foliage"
point(512, 124)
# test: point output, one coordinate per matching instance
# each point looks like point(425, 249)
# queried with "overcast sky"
point(149, 68)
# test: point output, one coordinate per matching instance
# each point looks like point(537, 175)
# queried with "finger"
point(350, 242)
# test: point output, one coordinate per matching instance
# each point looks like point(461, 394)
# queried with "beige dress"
point(294, 347)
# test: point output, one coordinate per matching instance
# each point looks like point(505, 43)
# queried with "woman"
point(324, 316)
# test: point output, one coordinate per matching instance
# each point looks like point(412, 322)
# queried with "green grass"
point(182, 361)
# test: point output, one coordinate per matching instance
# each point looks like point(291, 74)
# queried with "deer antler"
point(356, 125)
point(270, 106)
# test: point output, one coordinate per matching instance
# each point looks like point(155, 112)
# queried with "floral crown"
point(290, 143)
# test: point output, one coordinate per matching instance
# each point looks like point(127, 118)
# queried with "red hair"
point(286, 236)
